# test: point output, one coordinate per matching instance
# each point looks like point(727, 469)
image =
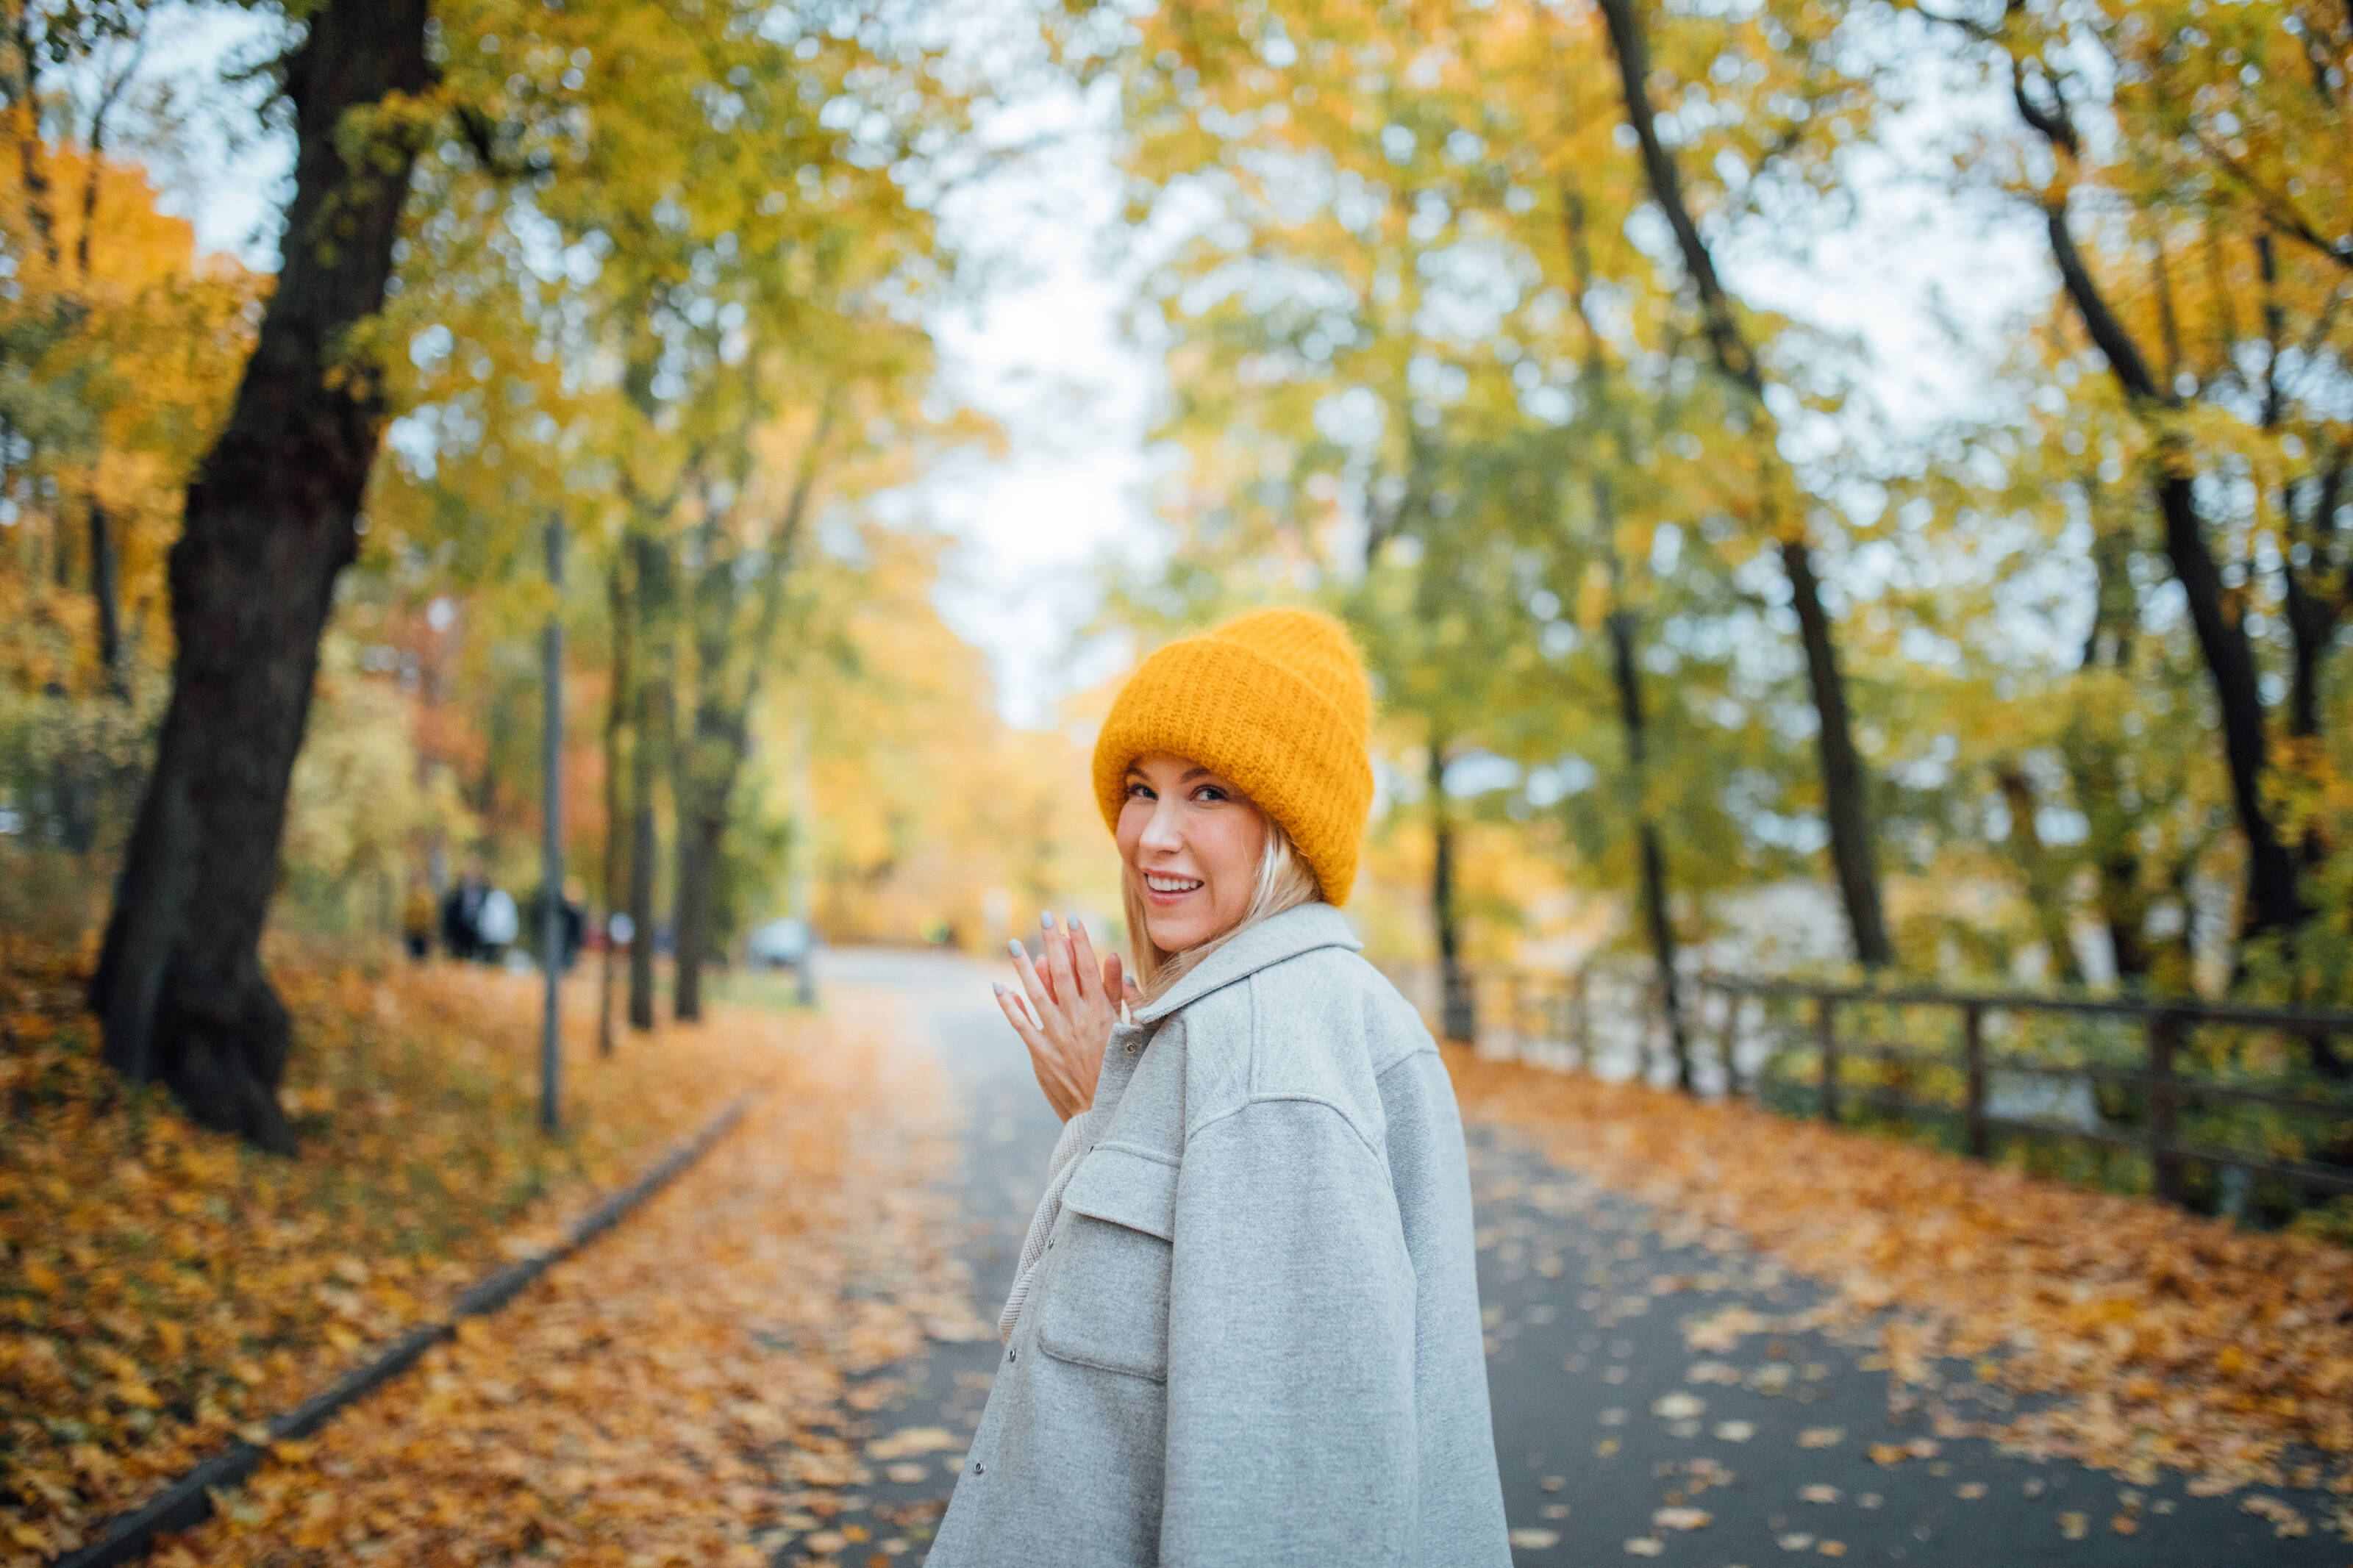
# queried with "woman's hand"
point(1075, 1002)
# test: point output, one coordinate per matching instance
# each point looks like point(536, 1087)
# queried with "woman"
point(1246, 1325)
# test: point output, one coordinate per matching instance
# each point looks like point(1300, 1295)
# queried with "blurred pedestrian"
point(572, 913)
point(496, 926)
point(462, 914)
point(417, 920)
point(1244, 1327)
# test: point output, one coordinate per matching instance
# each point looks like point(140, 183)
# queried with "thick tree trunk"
point(1457, 1011)
point(1846, 799)
point(267, 526)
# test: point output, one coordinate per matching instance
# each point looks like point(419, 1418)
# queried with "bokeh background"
point(1837, 492)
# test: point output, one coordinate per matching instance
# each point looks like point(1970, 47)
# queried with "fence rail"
point(1743, 1035)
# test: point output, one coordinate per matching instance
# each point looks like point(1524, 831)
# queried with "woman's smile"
point(1168, 889)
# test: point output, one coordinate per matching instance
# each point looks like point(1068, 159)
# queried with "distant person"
point(1245, 1324)
point(462, 915)
point(574, 930)
point(417, 920)
point(497, 926)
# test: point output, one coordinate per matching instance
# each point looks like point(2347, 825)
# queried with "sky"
point(1921, 280)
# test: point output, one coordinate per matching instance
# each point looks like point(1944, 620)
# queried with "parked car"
point(785, 944)
point(779, 944)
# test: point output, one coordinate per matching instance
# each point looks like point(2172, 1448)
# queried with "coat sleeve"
point(1290, 1435)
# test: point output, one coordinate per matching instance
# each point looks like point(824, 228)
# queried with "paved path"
point(1617, 1437)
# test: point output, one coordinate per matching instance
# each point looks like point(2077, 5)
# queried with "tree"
point(1845, 789)
point(266, 529)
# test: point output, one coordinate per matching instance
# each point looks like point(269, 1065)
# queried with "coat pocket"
point(1107, 1305)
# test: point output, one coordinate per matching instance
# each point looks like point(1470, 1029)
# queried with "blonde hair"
point(1284, 883)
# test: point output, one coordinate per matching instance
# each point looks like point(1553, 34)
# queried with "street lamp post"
point(550, 931)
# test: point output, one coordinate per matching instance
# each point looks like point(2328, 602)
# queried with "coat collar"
point(1301, 929)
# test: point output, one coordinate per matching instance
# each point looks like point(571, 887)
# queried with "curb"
point(188, 1501)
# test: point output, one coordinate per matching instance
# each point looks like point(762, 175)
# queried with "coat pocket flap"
point(1125, 1188)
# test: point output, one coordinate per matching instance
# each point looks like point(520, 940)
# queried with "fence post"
point(1826, 1031)
point(2164, 1166)
point(1973, 1055)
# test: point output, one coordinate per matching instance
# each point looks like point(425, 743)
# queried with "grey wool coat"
point(1252, 1338)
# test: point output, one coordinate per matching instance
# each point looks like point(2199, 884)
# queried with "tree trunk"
point(1457, 1013)
point(702, 778)
point(2046, 891)
point(727, 681)
point(267, 526)
point(2093, 766)
point(1846, 801)
point(1623, 628)
point(1854, 851)
point(105, 594)
point(655, 677)
point(694, 899)
point(1657, 918)
point(622, 610)
point(2274, 902)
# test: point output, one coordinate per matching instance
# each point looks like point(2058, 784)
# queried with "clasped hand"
point(1074, 1000)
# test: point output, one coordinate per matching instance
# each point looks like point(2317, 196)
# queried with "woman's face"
point(1191, 842)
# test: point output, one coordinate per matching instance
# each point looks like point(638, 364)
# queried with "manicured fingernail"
point(993, 986)
point(1014, 947)
point(1046, 919)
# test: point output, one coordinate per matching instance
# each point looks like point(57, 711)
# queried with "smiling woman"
point(1244, 1328)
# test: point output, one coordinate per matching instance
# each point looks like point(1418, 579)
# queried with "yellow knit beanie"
point(1278, 703)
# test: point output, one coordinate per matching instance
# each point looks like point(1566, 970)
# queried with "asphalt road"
point(1618, 1437)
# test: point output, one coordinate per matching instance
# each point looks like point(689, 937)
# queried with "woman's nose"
point(1160, 831)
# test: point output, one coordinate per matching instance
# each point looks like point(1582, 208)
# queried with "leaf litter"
point(163, 1288)
point(690, 1390)
point(2137, 1336)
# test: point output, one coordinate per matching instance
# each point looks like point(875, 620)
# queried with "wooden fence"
point(2188, 1087)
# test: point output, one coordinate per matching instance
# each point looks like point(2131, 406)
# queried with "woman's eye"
point(1210, 792)
point(1139, 792)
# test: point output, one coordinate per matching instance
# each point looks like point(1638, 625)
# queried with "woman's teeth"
point(1170, 884)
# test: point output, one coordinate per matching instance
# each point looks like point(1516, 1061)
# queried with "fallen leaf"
point(1640, 1546)
point(1681, 1518)
point(1533, 1540)
point(1735, 1431)
point(1821, 1436)
point(1819, 1493)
